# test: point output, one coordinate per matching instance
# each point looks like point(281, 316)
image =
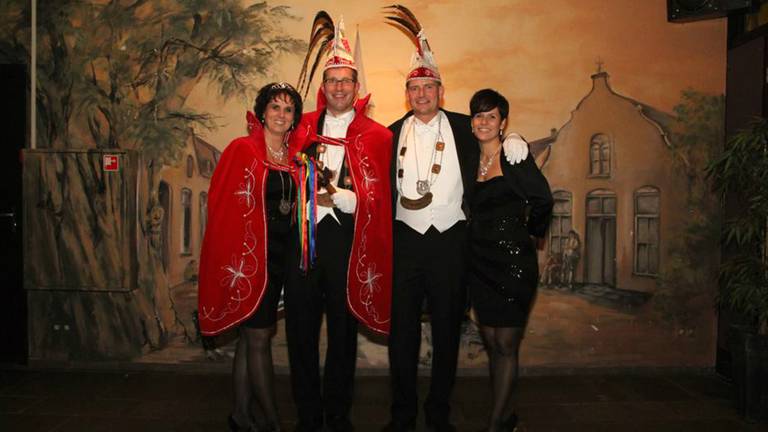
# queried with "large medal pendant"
point(422, 187)
point(285, 207)
point(416, 204)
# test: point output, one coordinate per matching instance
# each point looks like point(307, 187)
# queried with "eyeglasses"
point(334, 81)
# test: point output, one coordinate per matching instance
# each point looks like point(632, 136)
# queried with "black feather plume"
point(405, 27)
point(320, 36)
point(404, 20)
point(405, 12)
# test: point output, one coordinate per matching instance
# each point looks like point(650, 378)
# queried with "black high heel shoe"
point(235, 427)
point(510, 424)
point(270, 427)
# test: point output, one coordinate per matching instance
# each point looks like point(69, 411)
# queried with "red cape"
point(233, 259)
point(368, 151)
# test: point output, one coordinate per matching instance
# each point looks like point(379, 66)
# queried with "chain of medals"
point(278, 156)
point(285, 203)
point(324, 199)
point(422, 186)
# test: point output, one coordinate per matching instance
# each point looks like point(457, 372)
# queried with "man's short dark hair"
point(486, 100)
point(272, 91)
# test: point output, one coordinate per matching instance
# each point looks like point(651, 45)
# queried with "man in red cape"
point(368, 292)
point(351, 279)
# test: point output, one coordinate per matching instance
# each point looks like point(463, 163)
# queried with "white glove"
point(345, 200)
point(515, 148)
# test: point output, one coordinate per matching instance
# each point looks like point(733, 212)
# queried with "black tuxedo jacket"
point(466, 146)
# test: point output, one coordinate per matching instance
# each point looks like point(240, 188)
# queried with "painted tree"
point(689, 273)
point(116, 74)
point(14, 31)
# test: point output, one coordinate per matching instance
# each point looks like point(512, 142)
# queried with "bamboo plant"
point(740, 177)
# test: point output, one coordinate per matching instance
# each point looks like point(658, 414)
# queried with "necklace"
point(323, 158)
point(285, 204)
point(277, 155)
point(485, 163)
point(423, 186)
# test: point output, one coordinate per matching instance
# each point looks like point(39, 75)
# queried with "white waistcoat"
point(447, 189)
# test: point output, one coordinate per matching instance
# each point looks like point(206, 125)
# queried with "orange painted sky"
point(538, 54)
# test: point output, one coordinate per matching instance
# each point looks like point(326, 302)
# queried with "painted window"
point(186, 224)
point(190, 166)
point(647, 209)
point(206, 169)
point(601, 238)
point(561, 221)
point(600, 156)
point(161, 222)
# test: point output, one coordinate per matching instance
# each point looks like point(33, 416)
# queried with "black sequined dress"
point(279, 188)
point(503, 264)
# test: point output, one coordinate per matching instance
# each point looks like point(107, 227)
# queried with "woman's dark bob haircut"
point(486, 100)
point(272, 91)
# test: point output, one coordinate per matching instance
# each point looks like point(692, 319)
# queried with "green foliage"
point(697, 138)
point(690, 269)
point(120, 72)
point(740, 176)
point(14, 31)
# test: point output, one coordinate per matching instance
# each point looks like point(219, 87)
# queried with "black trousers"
point(307, 296)
point(427, 266)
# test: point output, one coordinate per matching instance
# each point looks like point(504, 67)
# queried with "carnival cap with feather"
point(329, 40)
point(423, 65)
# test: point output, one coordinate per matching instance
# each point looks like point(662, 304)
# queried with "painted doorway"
point(601, 238)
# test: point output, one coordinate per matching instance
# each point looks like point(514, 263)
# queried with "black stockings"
point(254, 377)
point(503, 346)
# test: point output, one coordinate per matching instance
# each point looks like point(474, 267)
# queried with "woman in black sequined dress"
point(511, 208)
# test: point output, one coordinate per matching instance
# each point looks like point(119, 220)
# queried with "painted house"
point(614, 184)
point(183, 196)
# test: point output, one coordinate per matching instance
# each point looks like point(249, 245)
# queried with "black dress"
point(504, 270)
point(279, 187)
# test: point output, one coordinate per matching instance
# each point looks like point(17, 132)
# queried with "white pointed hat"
point(423, 65)
point(340, 54)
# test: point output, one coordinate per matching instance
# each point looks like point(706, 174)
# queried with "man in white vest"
point(434, 168)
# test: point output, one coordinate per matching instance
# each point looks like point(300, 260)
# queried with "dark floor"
point(146, 401)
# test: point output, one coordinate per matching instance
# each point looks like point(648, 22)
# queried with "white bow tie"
point(422, 128)
point(336, 121)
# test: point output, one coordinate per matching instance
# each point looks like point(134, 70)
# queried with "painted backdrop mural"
point(621, 109)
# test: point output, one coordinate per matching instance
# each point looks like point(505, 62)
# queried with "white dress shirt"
point(447, 189)
point(333, 158)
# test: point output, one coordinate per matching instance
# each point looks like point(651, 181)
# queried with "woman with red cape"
point(242, 262)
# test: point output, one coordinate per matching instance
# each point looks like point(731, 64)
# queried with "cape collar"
point(254, 125)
